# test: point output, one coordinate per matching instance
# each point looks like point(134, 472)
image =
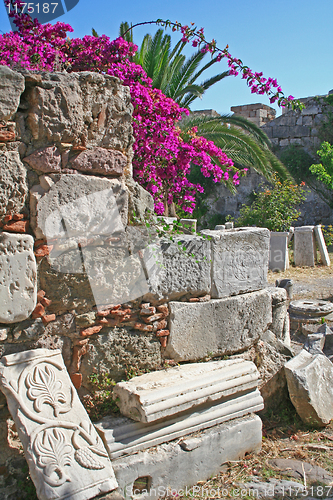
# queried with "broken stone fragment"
point(310, 385)
point(153, 396)
point(13, 183)
point(87, 332)
point(20, 226)
point(7, 136)
point(47, 160)
point(18, 277)
point(11, 88)
point(66, 457)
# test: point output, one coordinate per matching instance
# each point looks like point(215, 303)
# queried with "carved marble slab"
point(66, 457)
point(18, 277)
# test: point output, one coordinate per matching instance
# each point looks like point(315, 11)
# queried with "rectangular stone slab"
point(66, 457)
point(304, 246)
point(239, 260)
point(325, 258)
point(195, 458)
point(18, 277)
point(161, 394)
point(217, 327)
point(122, 436)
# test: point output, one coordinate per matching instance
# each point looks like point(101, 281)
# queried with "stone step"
point(122, 436)
point(168, 392)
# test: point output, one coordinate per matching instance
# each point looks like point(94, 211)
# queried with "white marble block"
point(325, 258)
point(304, 246)
point(18, 277)
point(164, 393)
point(278, 253)
point(239, 260)
point(66, 457)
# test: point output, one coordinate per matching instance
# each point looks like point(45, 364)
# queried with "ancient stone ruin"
point(86, 293)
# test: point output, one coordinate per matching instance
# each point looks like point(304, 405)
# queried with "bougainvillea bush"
point(162, 156)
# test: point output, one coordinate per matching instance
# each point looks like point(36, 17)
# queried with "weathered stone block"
point(217, 327)
point(177, 268)
point(47, 160)
point(11, 88)
point(13, 183)
point(280, 317)
point(102, 161)
point(80, 206)
point(81, 108)
point(304, 246)
point(310, 385)
point(66, 457)
point(174, 466)
point(278, 251)
point(325, 258)
point(18, 277)
point(239, 260)
point(115, 351)
point(153, 396)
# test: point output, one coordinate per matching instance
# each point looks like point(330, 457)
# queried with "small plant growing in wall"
point(275, 207)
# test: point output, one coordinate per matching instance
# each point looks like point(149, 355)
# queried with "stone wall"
point(260, 114)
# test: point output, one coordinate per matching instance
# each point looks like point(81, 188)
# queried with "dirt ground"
point(284, 434)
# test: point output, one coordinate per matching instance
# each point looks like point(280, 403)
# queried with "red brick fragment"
point(76, 379)
point(39, 242)
point(6, 136)
point(80, 342)
point(47, 318)
point(38, 312)
point(40, 295)
point(147, 311)
point(86, 332)
point(7, 218)
point(46, 302)
point(206, 298)
point(103, 314)
point(155, 317)
point(163, 341)
point(43, 250)
point(143, 328)
point(18, 216)
point(119, 313)
point(163, 309)
point(112, 322)
point(162, 333)
point(20, 226)
point(160, 325)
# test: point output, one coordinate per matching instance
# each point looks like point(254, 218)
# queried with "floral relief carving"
point(53, 455)
point(45, 388)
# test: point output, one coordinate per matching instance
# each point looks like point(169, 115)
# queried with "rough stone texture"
point(310, 384)
point(172, 270)
point(47, 160)
point(11, 88)
point(117, 350)
point(197, 457)
point(304, 246)
point(153, 396)
point(123, 436)
point(298, 468)
point(13, 184)
point(83, 108)
point(66, 457)
point(217, 327)
point(140, 201)
point(84, 205)
point(100, 161)
point(260, 114)
point(278, 252)
point(18, 277)
point(280, 318)
point(239, 260)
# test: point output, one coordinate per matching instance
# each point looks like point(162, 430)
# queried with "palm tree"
point(169, 69)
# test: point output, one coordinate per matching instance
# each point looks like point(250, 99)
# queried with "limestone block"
point(140, 201)
point(166, 393)
point(11, 88)
point(304, 246)
point(239, 260)
point(217, 327)
point(100, 161)
point(278, 252)
point(18, 277)
point(13, 183)
point(310, 385)
point(123, 436)
point(325, 258)
point(175, 466)
point(80, 108)
point(80, 206)
point(66, 457)
point(116, 350)
point(176, 268)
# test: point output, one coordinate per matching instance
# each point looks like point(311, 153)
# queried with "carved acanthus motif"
point(53, 454)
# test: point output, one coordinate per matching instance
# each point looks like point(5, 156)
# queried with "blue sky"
point(290, 40)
